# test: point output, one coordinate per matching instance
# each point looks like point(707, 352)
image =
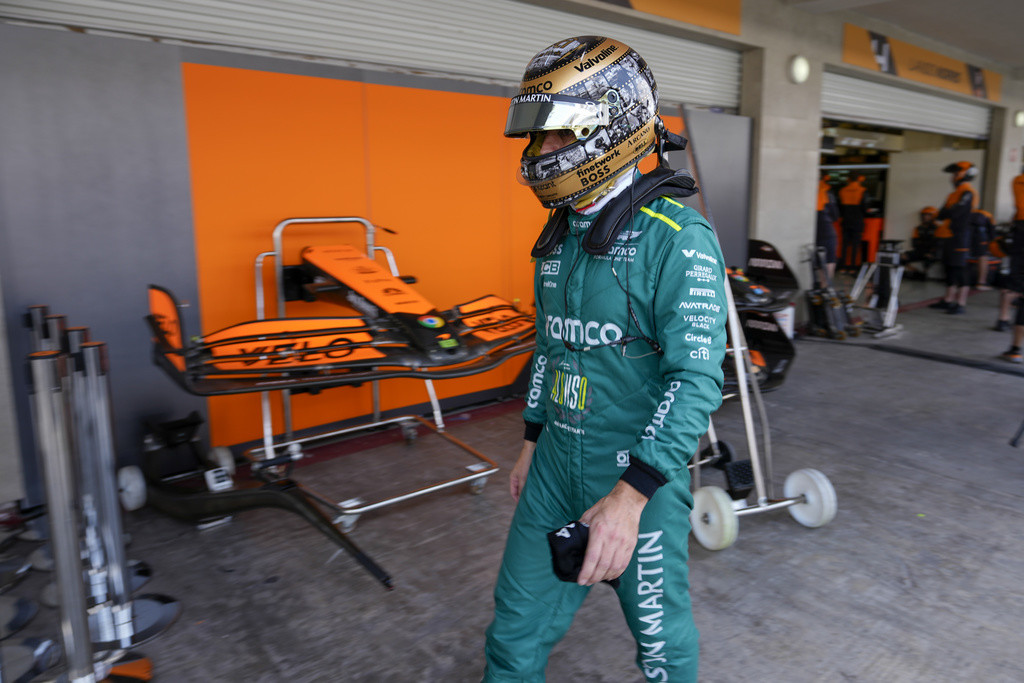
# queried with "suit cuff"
point(533, 430)
point(643, 477)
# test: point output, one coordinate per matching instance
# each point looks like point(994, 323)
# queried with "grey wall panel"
point(11, 480)
point(94, 205)
point(721, 145)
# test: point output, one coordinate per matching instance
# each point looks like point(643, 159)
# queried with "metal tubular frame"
point(349, 510)
point(885, 321)
point(761, 464)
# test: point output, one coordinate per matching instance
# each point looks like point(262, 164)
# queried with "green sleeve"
point(690, 309)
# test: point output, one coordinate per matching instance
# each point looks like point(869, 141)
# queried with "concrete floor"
point(918, 578)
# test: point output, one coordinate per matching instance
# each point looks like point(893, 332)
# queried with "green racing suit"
point(626, 373)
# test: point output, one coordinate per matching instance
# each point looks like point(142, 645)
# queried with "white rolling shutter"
point(482, 40)
point(855, 99)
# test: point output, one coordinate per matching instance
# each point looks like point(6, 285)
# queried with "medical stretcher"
point(396, 333)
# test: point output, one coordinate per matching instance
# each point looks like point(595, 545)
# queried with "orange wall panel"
point(431, 166)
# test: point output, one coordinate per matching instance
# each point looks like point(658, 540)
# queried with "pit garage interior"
point(211, 148)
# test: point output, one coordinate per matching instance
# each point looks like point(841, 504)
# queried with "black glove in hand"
point(568, 548)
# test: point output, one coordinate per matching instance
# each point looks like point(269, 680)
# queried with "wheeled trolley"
point(331, 275)
point(807, 494)
point(878, 282)
point(395, 334)
point(830, 311)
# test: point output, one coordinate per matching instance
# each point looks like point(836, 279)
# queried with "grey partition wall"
point(721, 145)
point(94, 205)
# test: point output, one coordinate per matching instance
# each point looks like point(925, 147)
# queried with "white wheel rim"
point(131, 487)
point(713, 519)
point(819, 506)
point(221, 456)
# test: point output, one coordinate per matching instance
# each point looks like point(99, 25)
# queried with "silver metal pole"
point(278, 241)
point(104, 466)
point(34, 320)
point(84, 446)
point(49, 377)
point(54, 336)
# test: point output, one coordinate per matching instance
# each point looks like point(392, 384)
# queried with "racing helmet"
point(929, 211)
point(962, 171)
point(604, 93)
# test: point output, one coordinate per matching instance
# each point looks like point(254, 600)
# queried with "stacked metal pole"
point(49, 373)
point(74, 426)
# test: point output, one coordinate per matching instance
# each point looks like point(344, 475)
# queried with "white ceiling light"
point(798, 69)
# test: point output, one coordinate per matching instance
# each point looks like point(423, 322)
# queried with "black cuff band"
point(643, 477)
point(533, 430)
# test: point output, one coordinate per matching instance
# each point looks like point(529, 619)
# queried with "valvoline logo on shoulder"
point(431, 321)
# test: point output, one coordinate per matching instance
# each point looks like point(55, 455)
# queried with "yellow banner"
point(877, 52)
point(720, 15)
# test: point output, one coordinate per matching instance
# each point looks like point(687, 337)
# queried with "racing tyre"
point(713, 519)
point(819, 506)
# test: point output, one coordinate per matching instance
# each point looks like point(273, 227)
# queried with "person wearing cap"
point(957, 209)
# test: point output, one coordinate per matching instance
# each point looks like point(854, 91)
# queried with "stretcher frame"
point(265, 458)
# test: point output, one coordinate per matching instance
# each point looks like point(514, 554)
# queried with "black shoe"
point(955, 309)
point(1002, 325)
point(1012, 356)
point(941, 305)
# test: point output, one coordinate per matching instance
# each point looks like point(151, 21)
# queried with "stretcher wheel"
point(819, 506)
point(713, 518)
point(131, 487)
point(221, 456)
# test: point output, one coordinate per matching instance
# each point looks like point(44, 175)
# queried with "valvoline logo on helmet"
point(431, 321)
point(598, 58)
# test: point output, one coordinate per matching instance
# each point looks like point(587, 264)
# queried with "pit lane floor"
point(918, 578)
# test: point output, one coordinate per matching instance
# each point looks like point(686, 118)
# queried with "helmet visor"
point(533, 112)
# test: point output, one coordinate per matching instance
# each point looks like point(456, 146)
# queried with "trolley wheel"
point(725, 454)
point(713, 519)
point(476, 487)
point(221, 456)
point(131, 487)
point(409, 431)
point(819, 506)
